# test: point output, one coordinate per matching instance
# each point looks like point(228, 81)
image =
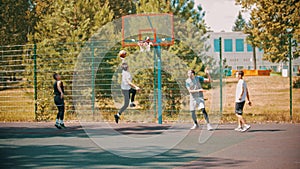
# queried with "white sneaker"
point(195, 126)
point(209, 127)
point(245, 128)
point(238, 129)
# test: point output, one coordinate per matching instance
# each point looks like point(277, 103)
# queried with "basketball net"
point(145, 45)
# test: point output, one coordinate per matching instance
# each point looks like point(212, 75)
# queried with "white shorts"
point(196, 103)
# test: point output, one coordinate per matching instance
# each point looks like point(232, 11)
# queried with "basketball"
point(122, 53)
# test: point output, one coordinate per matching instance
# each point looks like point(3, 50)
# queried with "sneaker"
point(117, 118)
point(195, 126)
point(209, 127)
point(63, 125)
point(238, 129)
point(246, 127)
point(57, 126)
point(132, 105)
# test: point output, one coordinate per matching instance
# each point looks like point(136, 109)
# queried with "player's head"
point(240, 73)
point(191, 73)
point(147, 39)
point(56, 76)
point(124, 66)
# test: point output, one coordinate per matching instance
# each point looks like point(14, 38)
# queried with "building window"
point(216, 45)
point(249, 48)
point(274, 68)
point(228, 45)
point(262, 68)
point(239, 45)
point(240, 67)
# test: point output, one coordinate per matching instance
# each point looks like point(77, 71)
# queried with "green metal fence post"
point(93, 78)
point(291, 76)
point(221, 76)
point(35, 81)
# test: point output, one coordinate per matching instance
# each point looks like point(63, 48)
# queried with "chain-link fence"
point(91, 75)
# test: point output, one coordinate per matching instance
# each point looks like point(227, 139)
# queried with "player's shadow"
point(143, 130)
point(41, 132)
point(264, 130)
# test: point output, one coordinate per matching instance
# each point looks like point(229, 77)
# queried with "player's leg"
point(58, 104)
point(205, 115)
point(238, 113)
point(203, 110)
point(132, 93)
point(193, 105)
point(62, 115)
point(125, 105)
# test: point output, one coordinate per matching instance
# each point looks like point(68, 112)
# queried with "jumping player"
point(240, 99)
point(193, 84)
point(127, 88)
point(59, 101)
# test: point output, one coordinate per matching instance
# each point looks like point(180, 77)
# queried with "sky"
point(220, 15)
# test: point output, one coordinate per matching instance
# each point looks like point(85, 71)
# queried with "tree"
point(239, 23)
point(59, 35)
point(15, 21)
point(251, 40)
point(271, 19)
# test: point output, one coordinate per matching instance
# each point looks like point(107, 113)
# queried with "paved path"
point(40, 145)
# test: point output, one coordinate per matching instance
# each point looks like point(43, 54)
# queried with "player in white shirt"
point(127, 88)
point(240, 99)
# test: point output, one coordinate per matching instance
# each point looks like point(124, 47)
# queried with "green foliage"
point(15, 22)
point(270, 20)
point(64, 23)
point(61, 28)
point(296, 82)
point(239, 23)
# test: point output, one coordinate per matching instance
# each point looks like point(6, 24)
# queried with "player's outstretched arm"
point(208, 79)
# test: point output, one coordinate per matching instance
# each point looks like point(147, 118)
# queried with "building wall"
point(239, 55)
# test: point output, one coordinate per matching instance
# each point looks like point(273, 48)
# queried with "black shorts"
point(239, 106)
point(59, 101)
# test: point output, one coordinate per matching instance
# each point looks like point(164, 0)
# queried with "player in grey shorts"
point(193, 84)
point(127, 87)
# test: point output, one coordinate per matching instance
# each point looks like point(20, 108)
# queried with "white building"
point(239, 55)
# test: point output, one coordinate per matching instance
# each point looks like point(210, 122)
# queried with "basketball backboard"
point(156, 27)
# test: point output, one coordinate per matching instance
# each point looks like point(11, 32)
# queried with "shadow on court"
point(41, 145)
point(36, 156)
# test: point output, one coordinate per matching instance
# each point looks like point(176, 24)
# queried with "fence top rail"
point(61, 43)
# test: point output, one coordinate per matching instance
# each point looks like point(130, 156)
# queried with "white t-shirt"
point(195, 84)
point(126, 76)
point(239, 89)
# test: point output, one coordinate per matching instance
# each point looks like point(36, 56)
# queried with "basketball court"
point(41, 145)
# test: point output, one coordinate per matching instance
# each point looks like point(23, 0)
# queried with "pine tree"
point(239, 23)
point(271, 19)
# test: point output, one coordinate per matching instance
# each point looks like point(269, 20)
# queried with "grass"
point(16, 105)
point(269, 96)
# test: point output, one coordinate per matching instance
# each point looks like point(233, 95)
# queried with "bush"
point(296, 82)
